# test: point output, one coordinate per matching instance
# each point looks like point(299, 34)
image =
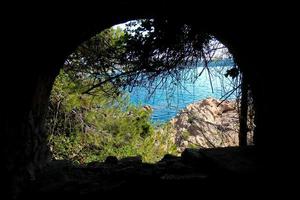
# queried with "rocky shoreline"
point(209, 123)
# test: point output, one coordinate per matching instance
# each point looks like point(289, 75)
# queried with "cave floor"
point(214, 172)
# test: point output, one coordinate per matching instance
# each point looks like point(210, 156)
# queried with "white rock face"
point(208, 124)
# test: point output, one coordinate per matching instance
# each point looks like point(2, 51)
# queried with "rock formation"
point(195, 170)
point(208, 124)
point(148, 108)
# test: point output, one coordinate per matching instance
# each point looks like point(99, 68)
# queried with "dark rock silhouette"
point(192, 169)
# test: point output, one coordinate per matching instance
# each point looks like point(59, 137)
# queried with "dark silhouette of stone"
point(111, 160)
point(169, 158)
point(131, 160)
point(62, 179)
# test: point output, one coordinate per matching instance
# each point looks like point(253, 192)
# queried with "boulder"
point(191, 156)
point(169, 158)
point(131, 160)
point(209, 123)
point(148, 108)
point(111, 160)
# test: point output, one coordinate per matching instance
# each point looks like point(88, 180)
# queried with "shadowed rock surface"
point(201, 170)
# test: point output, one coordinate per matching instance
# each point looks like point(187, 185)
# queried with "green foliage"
point(193, 146)
point(85, 128)
point(185, 134)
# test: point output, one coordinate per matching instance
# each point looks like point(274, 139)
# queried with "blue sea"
point(167, 101)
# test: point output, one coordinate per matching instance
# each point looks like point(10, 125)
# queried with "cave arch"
point(23, 156)
point(90, 48)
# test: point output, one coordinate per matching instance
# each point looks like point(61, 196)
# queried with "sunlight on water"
point(167, 102)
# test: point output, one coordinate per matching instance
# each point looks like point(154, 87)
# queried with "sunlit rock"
point(207, 124)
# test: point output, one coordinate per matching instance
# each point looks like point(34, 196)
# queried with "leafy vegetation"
point(90, 116)
point(85, 128)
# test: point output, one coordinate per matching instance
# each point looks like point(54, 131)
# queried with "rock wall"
point(208, 124)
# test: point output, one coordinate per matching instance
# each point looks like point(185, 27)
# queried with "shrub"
point(85, 128)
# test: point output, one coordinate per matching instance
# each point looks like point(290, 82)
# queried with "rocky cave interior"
point(23, 144)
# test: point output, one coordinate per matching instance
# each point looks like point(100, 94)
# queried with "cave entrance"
point(129, 92)
point(90, 120)
point(24, 138)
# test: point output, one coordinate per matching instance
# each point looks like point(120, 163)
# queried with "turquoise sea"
point(167, 101)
